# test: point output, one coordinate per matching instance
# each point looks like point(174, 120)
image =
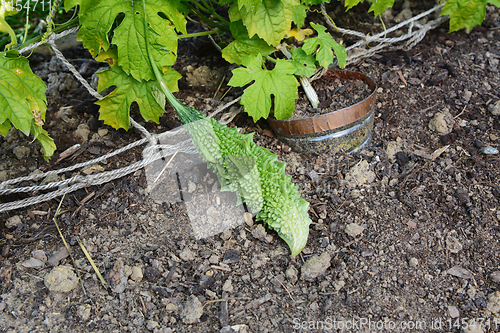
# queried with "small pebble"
point(13, 222)
point(191, 310)
point(61, 279)
point(495, 109)
point(354, 229)
point(117, 277)
point(187, 254)
point(315, 266)
point(453, 312)
point(324, 242)
point(231, 257)
point(291, 274)
point(314, 176)
point(495, 276)
point(413, 262)
point(478, 143)
point(102, 132)
point(489, 150)
point(39, 254)
point(84, 311)
point(494, 302)
point(136, 274)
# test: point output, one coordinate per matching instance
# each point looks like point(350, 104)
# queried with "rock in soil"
point(494, 108)
point(495, 276)
point(315, 266)
point(453, 311)
point(117, 278)
point(489, 150)
point(191, 310)
point(291, 274)
point(13, 222)
point(354, 229)
point(494, 302)
point(360, 174)
point(21, 152)
point(61, 279)
point(136, 275)
point(187, 254)
point(442, 123)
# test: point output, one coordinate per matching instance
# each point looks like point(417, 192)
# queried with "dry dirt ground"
point(399, 241)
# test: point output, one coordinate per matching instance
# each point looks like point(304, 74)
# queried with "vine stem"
point(214, 13)
point(204, 18)
point(198, 34)
point(7, 28)
point(171, 98)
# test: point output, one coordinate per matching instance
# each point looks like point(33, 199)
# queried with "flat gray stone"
point(191, 310)
point(315, 266)
point(354, 229)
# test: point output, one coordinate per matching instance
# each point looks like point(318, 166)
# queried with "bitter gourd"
point(255, 173)
point(243, 166)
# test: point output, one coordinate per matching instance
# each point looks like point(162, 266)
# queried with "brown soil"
point(428, 251)
point(333, 94)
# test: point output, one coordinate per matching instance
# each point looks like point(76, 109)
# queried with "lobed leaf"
point(115, 106)
point(304, 63)
point(164, 20)
point(351, 3)
point(47, 143)
point(268, 19)
point(243, 45)
point(278, 83)
point(323, 45)
point(466, 13)
point(23, 100)
point(379, 6)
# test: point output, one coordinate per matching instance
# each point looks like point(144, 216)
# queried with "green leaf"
point(5, 127)
point(85, 5)
point(22, 94)
point(115, 107)
point(48, 145)
point(379, 6)
point(299, 15)
point(465, 13)
point(278, 82)
point(351, 3)
point(163, 18)
point(304, 63)
point(269, 19)
point(324, 44)
point(249, 4)
point(494, 2)
point(243, 45)
point(314, 2)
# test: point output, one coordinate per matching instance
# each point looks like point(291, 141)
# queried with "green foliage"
point(269, 19)
point(305, 64)
point(114, 31)
point(377, 7)
point(96, 20)
point(243, 45)
point(116, 105)
point(466, 13)
point(322, 46)
point(22, 100)
point(279, 82)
